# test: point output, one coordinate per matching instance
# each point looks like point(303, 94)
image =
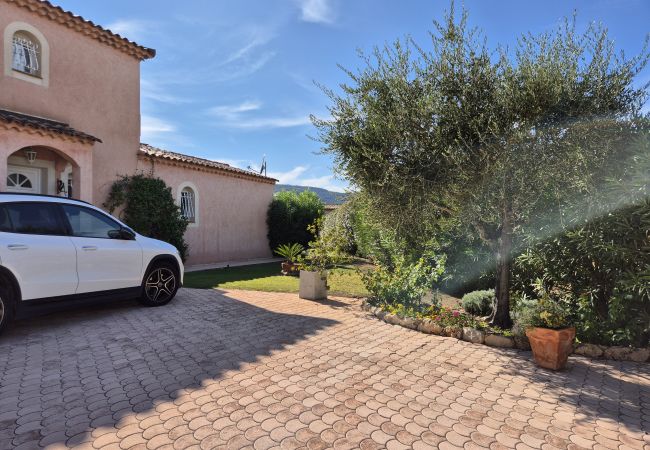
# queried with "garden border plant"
point(465, 327)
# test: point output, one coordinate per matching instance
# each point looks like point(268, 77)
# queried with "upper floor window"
point(188, 204)
point(26, 54)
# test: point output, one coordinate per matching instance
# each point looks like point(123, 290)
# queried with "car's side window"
point(5, 223)
point(86, 222)
point(34, 218)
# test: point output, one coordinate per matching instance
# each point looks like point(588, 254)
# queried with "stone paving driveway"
point(260, 370)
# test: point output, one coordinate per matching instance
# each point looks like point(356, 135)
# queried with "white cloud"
point(289, 177)
point(132, 29)
point(271, 122)
point(325, 182)
point(238, 116)
point(151, 90)
point(153, 127)
point(256, 36)
point(295, 177)
point(233, 112)
point(317, 11)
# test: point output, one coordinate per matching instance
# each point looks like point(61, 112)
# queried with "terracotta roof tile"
point(57, 14)
point(152, 151)
point(41, 123)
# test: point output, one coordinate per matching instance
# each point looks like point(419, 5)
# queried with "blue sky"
point(233, 80)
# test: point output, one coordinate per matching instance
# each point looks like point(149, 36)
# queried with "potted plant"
point(291, 253)
point(549, 331)
point(324, 252)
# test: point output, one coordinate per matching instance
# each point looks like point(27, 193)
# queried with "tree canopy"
point(459, 132)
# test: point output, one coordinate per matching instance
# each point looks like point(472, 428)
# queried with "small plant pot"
point(289, 268)
point(551, 348)
point(313, 285)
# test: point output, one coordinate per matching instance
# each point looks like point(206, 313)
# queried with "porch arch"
point(60, 167)
point(42, 170)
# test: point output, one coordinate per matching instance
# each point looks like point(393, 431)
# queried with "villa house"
point(70, 126)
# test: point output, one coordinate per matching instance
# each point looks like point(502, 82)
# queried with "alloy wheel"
point(160, 285)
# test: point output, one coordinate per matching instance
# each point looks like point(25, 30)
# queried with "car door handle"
point(89, 248)
point(17, 247)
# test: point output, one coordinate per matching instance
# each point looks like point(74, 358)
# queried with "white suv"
point(55, 248)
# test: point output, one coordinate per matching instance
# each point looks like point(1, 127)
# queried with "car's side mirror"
point(122, 233)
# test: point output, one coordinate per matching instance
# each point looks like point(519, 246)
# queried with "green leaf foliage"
point(600, 257)
point(479, 303)
point(290, 252)
point(455, 133)
point(406, 280)
point(326, 250)
point(289, 215)
point(146, 204)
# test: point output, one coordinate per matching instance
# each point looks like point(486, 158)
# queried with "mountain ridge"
point(327, 197)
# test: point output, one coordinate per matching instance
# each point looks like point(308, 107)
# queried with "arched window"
point(26, 53)
point(18, 180)
point(188, 204)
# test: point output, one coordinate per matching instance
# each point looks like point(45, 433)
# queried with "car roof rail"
point(27, 194)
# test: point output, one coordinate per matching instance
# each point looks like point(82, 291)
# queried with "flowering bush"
point(545, 313)
point(447, 317)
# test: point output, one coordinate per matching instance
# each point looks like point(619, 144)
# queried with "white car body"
point(73, 263)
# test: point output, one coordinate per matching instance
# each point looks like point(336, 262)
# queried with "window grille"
point(18, 180)
point(26, 57)
point(188, 205)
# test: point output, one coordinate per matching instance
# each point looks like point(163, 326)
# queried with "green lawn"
point(344, 282)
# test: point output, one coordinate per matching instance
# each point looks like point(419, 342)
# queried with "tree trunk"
point(601, 302)
point(501, 315)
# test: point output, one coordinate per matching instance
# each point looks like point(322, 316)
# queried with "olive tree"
point(459, 132)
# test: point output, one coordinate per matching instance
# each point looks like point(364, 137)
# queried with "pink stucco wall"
point(96, 89)
point(231, 213)
point(92, 86)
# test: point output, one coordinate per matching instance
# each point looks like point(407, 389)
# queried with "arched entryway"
point(42, 170)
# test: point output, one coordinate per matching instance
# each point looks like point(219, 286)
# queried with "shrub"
point(289, 215)
point(406, 282)
point(149, 208)
point(325, 250)
point(544, 313)
point(600, 260)
point(290, 252)
point(479, 303)
point(447, 317)
point(340, 222)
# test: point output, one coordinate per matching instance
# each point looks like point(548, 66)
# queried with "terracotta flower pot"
point(551, 348)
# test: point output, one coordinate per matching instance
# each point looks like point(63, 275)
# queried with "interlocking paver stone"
point(241, 369)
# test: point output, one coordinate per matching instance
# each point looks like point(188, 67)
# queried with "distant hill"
point(328, 197)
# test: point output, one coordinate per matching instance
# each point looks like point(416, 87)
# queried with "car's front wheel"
point(160, 285)
point(6, 307)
